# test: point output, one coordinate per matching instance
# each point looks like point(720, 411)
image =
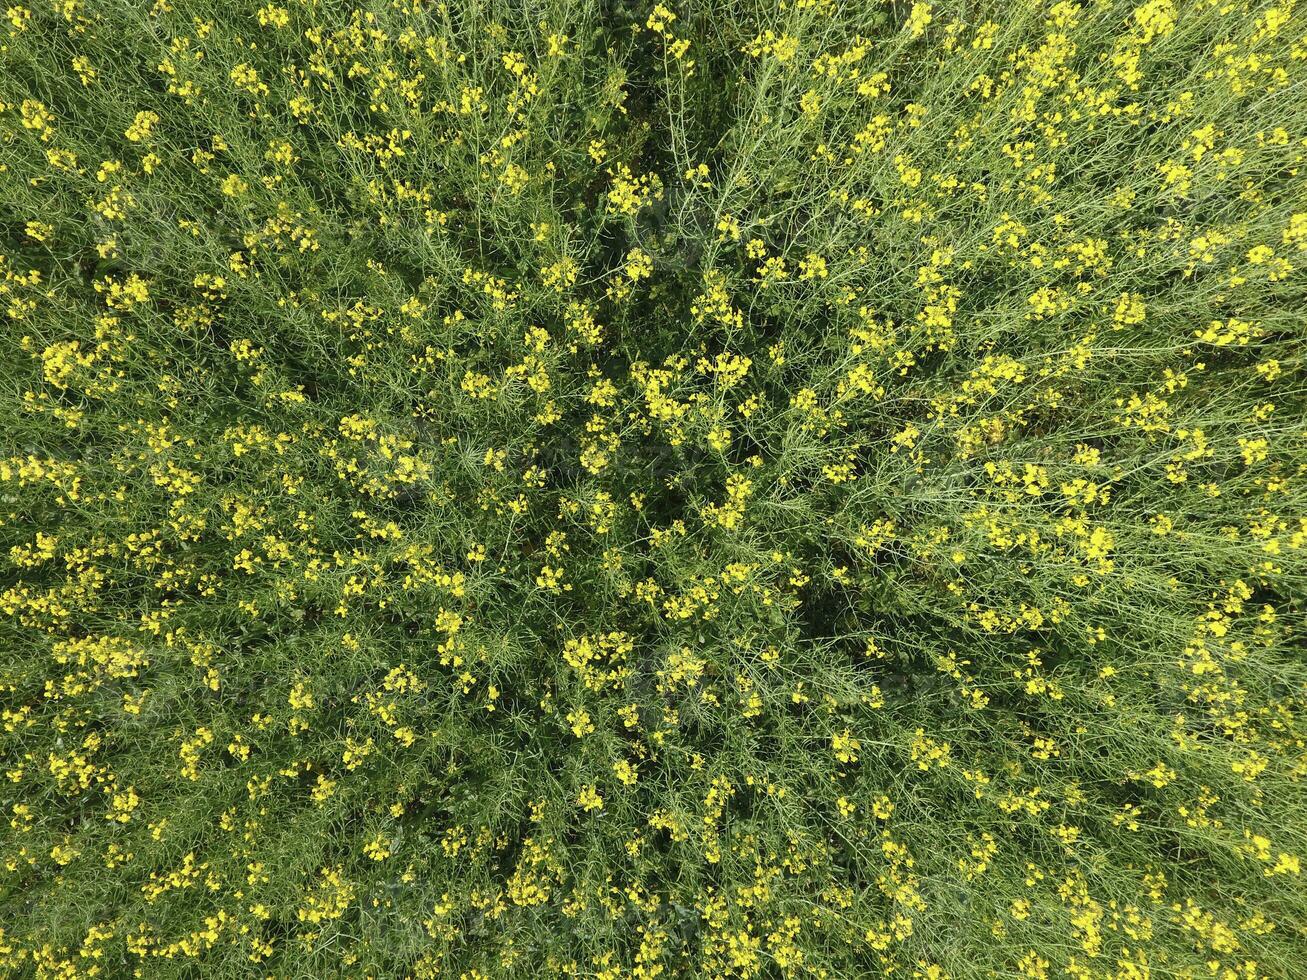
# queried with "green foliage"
point(602, 490)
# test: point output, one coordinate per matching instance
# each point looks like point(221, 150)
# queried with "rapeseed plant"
point(614, 489)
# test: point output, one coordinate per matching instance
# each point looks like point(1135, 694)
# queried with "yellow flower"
point(660, 19)
point(590, 800)
point(845, 746)
point(919, 19)
point(142, 126)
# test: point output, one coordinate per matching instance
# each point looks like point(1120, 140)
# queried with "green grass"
point(585, 489)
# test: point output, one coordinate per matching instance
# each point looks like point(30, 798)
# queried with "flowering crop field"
point(604, 489)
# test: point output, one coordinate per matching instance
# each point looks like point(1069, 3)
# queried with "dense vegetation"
point(595, 489)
